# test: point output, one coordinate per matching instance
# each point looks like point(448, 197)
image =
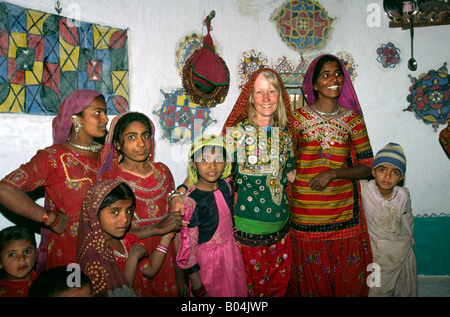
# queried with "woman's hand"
point(322, 180)
point(62, 225)
point(291, 175)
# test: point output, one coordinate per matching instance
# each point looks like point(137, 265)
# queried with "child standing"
point(18, 257)
point(208, 252)
point(129, 157)
point(390, 224)
point(106, 252)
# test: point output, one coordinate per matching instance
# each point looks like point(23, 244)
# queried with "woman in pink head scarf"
point(331, 242)
point(66, 170)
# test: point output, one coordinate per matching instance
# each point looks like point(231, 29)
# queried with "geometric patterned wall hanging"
point(292, 75)
point(430, 97)
point(302, 24)
point(180, 119)
point(388, 55)
point(44, 57)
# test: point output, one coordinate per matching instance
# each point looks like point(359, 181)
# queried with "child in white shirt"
point(390, 224)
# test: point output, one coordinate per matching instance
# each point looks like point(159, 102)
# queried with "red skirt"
point(332, 268)
point(268, 268)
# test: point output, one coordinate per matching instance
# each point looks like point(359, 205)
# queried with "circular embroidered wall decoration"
point(430, 97)
point(303, 24)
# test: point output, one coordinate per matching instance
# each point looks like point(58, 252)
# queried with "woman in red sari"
point(66, 170)
point(128, 157)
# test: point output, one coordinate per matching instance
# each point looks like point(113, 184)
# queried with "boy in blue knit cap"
point(390, 224)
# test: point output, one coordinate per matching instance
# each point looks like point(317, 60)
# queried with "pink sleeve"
point(187, 252)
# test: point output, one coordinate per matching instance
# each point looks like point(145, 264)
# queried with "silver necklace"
point(95, 147)
point(326, 114)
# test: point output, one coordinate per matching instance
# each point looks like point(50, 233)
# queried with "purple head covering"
point(347, 99)
point(74, 103)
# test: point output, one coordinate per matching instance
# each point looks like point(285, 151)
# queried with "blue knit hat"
point(391, 154)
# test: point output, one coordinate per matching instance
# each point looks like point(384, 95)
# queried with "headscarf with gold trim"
point(94, 253)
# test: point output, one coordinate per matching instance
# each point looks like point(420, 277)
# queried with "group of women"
point(298, 216)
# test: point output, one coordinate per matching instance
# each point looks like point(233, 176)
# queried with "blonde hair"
point(280, 115)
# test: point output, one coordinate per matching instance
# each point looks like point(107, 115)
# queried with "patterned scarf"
point(94, 253)
point(74, 103)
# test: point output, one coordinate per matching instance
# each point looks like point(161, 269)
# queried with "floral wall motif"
point(388, 55)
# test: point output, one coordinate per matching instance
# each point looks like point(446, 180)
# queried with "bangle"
point(199, 292)
point(46, 216)
point(56, 221)
point(161, 248)
point(174, 193)
point(182, 186)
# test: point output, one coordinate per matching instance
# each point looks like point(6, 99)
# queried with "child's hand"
point(138, 251)
point(177, 205)
point(169, 236)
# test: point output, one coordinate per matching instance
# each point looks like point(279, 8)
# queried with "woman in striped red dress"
point(331, 243)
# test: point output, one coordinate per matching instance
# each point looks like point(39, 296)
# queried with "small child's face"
point(17, 259)
point(115, 219)
point(136, 142)
point(211, 166)
point(387, 176)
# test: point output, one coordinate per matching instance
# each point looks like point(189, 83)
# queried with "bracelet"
point(182, 186)
point(161, 248)
point(46, 216)
point(199, 292)
point(56, 221)
point(174, 193)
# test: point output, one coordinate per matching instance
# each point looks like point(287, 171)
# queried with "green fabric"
point(432, 248)
point(258, 227)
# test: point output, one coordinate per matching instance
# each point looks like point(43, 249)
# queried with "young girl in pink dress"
point(208, 253)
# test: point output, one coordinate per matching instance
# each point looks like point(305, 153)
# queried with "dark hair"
point(318, 67)
point(208, 149)
point(128, 118)
point(53, 282)
point(121, 191)
point(16, 233)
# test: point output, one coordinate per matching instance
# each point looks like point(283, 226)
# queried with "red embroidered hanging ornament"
point(205, 76)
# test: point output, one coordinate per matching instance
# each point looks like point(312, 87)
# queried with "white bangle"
point(172, 194)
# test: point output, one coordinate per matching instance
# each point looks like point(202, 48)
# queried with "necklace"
point(325, 114)
point(95, 147)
